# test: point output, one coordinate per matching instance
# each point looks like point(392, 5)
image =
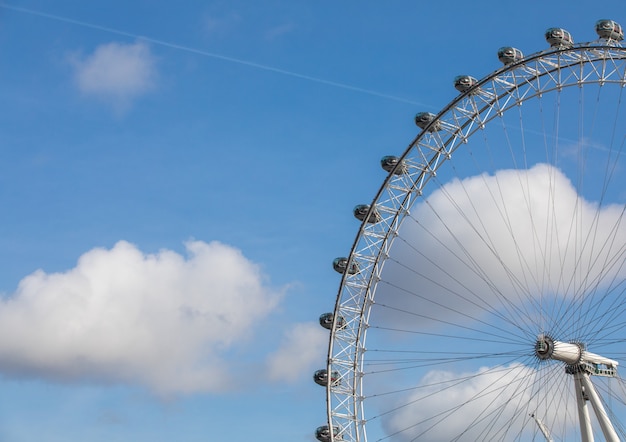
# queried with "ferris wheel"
point(484, 297)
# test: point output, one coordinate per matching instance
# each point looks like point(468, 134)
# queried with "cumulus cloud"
point(304, 346)
point(514, 235)
point(462, 406)
point(164, 321)
point(116, 73)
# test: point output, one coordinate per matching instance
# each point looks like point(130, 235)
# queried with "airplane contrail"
point(208, 54)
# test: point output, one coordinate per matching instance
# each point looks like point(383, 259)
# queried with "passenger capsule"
point(464, 83)
point(323, 433)
point(423, 119)
point(320, 377)
point(610, 30)
point(389, 162)
point(508, 55)
point(341, 265)
point(559, 38)
point(360, 213)
point(326, 321)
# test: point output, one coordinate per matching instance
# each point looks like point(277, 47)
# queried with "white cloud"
point(116, 73)
point(163, 320)
point(467, 404)
point(515, 234)
point(304, 347)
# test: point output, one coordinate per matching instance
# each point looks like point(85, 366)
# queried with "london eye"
point(484, 296)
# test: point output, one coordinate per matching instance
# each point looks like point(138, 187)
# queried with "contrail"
point(209, 54)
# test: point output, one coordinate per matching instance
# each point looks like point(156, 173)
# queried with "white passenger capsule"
point(340, 265)
point(423, 119)
point(389, 162)
point(326, 321)
point(360, 213)
point(609, 30)
point(320, 377)
point(323, 433)
point(508, 55)
point(559, 38)
point(464, 83)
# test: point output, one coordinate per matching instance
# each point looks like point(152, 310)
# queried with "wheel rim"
point(449, 292)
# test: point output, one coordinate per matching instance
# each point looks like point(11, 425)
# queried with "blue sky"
point(205, 157)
